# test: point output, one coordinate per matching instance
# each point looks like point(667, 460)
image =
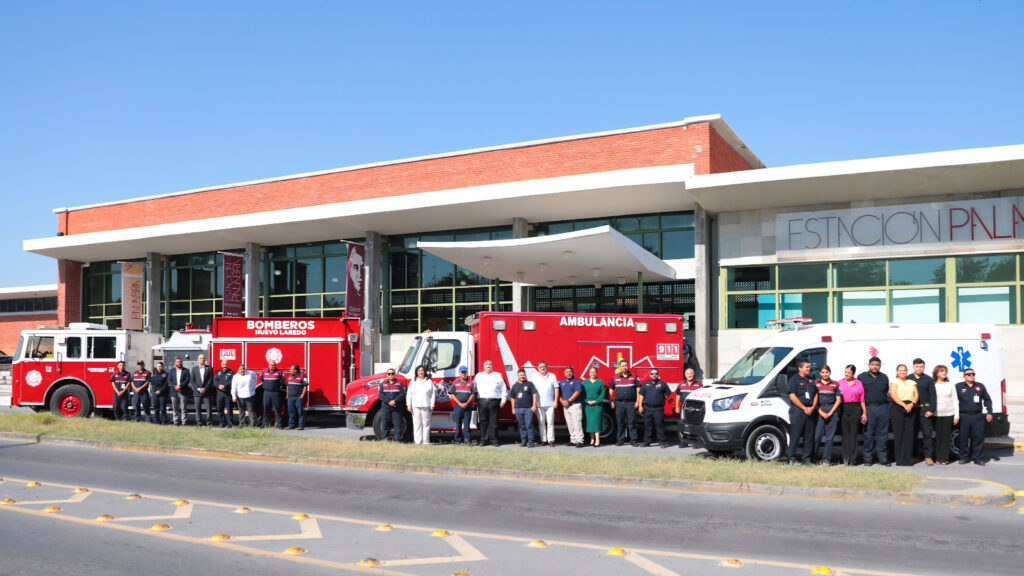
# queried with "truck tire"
point(954, 444)
point(71, 401)
point(378, 426)
point(607, 425)
point(766, 443)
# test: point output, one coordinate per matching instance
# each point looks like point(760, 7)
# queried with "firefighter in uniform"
point(463, 393)
point(271, 378)
point(625, 404)
point(121, 381)
point(653, 395)
point(392, 406)
point(975, 410)
point(160, 392)
point(803, 396)
point(298, 387)
point(140, 392)
point(222, 385)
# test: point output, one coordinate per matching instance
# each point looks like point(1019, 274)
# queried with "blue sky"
point(102, 101)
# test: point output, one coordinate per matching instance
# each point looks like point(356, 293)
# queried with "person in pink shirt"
point(854, 413)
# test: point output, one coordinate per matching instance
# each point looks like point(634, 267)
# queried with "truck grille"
point(693, 412)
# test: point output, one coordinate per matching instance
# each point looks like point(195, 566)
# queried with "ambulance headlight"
point(359, 400)
point(730, 403)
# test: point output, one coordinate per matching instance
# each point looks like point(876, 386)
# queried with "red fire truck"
point(514, 340)
point(67, 370)
point(326, 349)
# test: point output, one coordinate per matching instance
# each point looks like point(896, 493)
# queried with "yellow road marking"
point(648, 566)
point(308, 530)
point(179, 512)
point(467, 553)
point(74, 499)
point(378, 570)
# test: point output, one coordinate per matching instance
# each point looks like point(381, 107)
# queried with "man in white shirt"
point(492, 393)
point(547, 393)
point(243, 391)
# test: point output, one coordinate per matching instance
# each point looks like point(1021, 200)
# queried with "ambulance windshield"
point(410, 356)
point(755, 365)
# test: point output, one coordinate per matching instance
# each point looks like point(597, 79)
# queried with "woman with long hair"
point(947, 411)
point(420, 398)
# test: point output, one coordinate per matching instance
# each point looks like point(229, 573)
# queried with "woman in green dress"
point(593, 390)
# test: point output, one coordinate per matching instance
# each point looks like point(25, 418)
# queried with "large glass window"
point(668, 236)
point(193, 283)
point(306, 280)
point(102, 293)
point(984, 288)
point(28, 305)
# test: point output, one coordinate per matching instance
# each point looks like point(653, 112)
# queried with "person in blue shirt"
point(524, 401)
point(570, 392)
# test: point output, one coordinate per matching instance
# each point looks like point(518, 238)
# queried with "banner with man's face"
point(356, 284)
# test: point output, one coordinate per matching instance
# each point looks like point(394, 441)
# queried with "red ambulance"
point(514, 340)
point(326, 349)
point(67, 370)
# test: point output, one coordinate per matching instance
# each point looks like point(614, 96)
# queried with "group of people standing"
point(150, 394)
point(534, 400)
point(911, 402)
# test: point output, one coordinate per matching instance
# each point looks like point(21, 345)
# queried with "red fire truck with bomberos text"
point(514, 340)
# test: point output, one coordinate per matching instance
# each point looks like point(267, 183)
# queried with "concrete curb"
point(990, 497)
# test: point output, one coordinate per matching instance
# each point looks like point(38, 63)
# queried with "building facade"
point(704, 228)
point(24, 308)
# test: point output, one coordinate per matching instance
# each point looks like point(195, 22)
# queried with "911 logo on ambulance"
point(33, 378)
point(668, 351)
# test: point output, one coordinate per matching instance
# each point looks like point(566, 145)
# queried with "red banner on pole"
point(234, 285)
point(131, 295)
point(356, 284)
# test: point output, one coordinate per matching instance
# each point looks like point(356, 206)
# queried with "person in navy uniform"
point(298, 388)
point(271, 379)
point(159, 390)
point(392, 406)
point(876, 398)
point(925, 409)
point(140, 392)
point(803, 393)
point(121, 382)
point(653, 395)
point(222, 386)
point(975, 411)
point(463, 394)
point(625, 403)
point(524, 402)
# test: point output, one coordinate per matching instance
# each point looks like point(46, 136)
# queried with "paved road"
point(490, 521)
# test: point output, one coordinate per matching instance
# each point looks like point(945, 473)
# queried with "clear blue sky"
point(110, 100)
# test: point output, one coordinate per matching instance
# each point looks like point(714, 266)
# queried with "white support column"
point(370, 332)
point(520, 229)
point(154, 292)
point(253, 275)
point(703, 290)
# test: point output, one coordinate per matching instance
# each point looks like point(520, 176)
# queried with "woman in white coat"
point(420, 401)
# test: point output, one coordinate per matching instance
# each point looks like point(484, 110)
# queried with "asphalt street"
point(490, 523)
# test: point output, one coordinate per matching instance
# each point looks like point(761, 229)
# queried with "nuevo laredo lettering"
point(596, 321)
point(976, 221)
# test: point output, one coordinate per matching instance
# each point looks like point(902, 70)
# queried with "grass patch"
point(250, 440)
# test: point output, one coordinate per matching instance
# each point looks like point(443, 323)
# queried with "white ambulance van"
point(748, 407)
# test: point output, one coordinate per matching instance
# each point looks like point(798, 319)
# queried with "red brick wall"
point(69, 292)
point(724, 158)
point(694, 143)
point(11, 327)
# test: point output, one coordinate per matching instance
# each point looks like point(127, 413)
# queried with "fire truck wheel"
point(378, 427)
point(607, 425)
point(71, 400)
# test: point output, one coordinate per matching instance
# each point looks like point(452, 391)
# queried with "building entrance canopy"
point(589, 256)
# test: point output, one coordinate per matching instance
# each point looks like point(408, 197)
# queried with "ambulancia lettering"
point(587, 321)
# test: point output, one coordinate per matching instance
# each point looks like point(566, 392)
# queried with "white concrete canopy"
point(582, 257)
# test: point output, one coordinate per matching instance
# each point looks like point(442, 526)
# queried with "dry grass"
point(249, 440)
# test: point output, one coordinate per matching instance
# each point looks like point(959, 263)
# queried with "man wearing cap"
point(140, 392)
point(653, 394)
point(547, 395)
point(222, 386)
point(463, 394)
point(975, 411)
point(570, 391)
point(120, 380)
point(392, 405)
point(625, 403)
point(491, 394)
point(159, 390)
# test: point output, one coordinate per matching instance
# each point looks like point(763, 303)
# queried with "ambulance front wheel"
point(766, 443)
point(72, 401)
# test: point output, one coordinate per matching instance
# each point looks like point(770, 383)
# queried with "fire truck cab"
point(67, 370)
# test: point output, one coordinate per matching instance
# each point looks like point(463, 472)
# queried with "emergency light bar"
point(783, 321)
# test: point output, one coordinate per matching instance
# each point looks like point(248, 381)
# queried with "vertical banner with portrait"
point(355, 282)
point(131, 295)
point(234, 285)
